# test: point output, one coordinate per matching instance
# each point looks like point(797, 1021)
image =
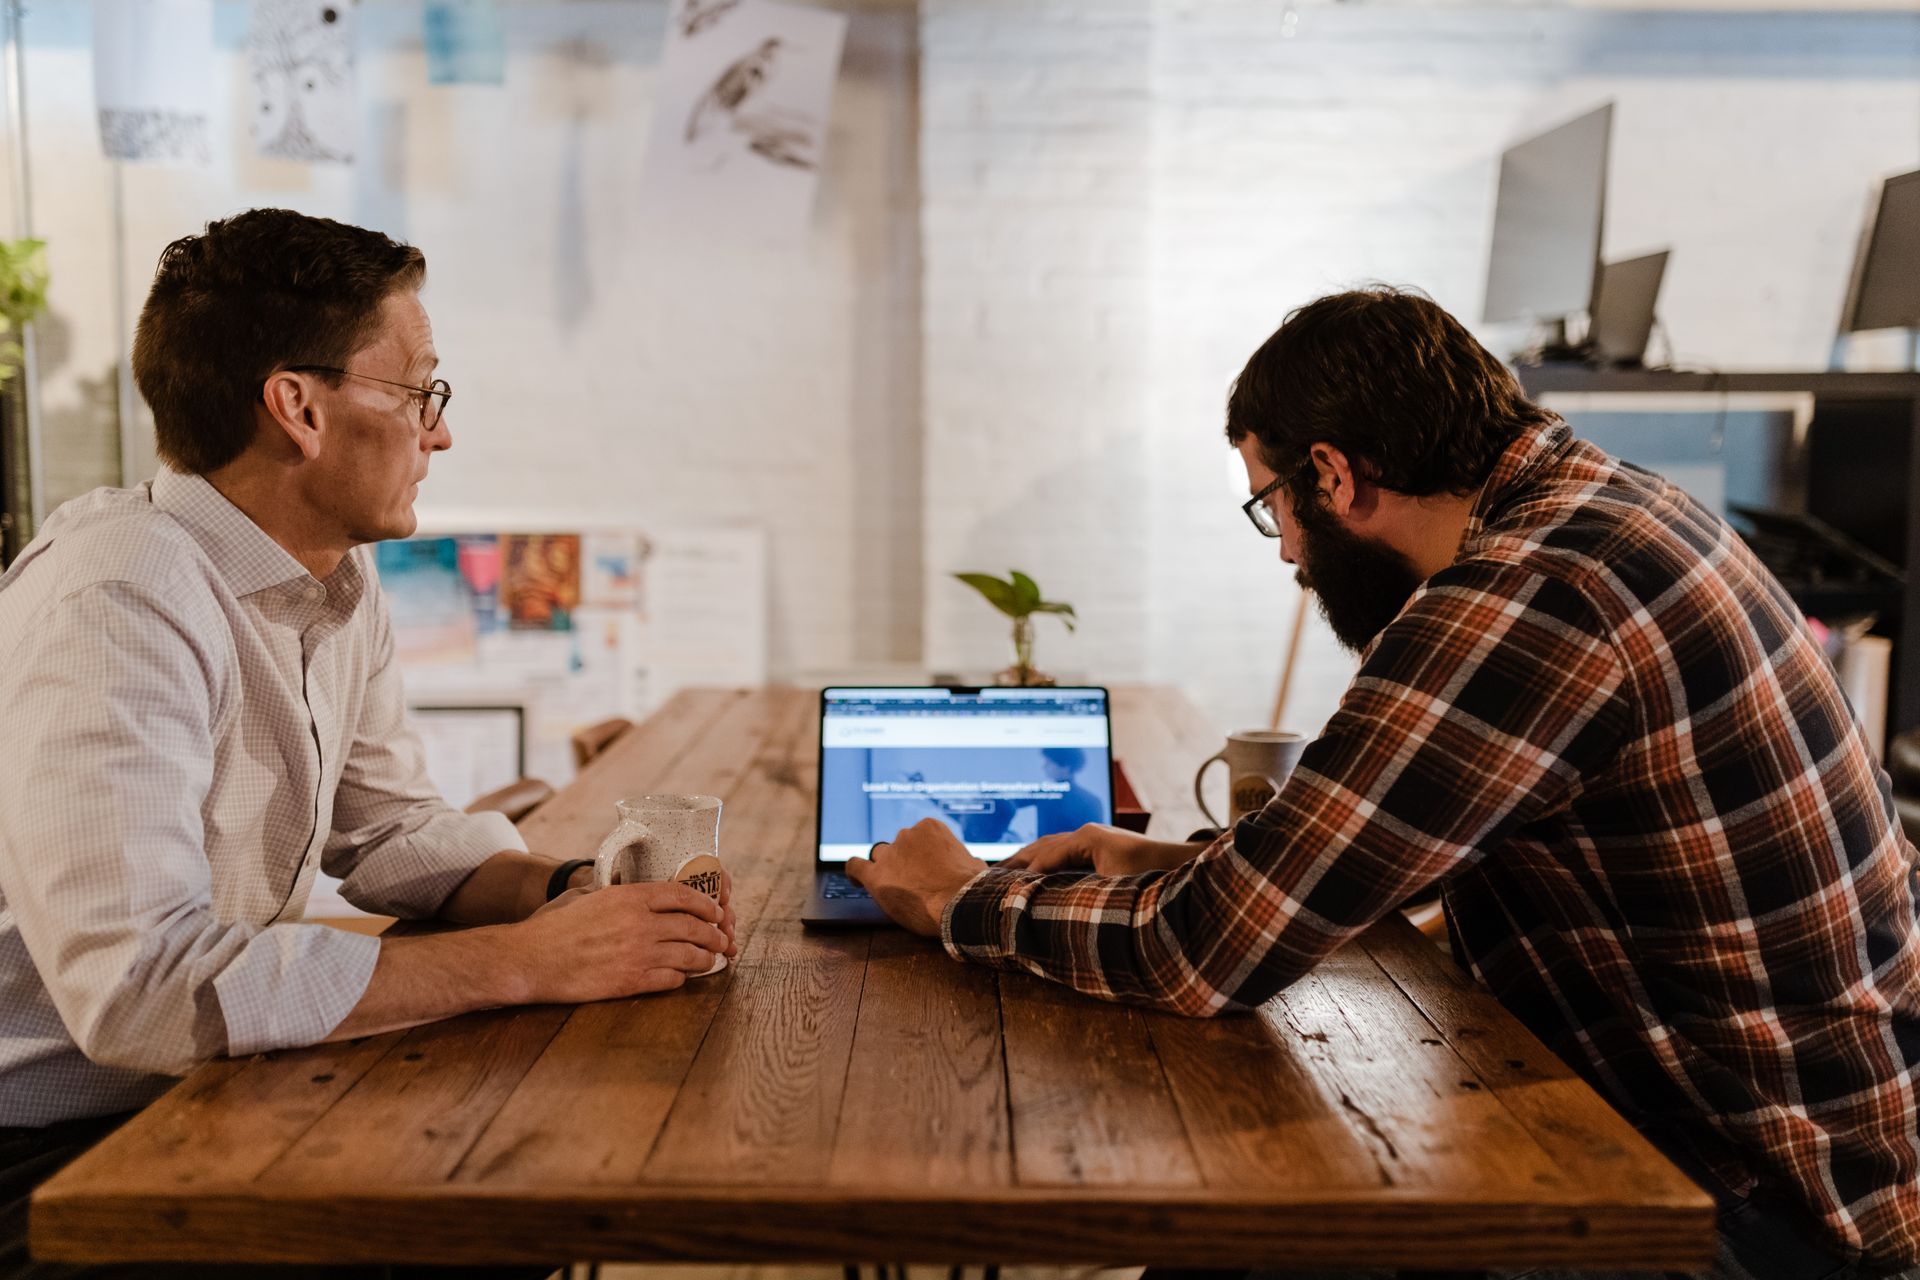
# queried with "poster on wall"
point(612, 570)
point(428, 600)
point(740, 117)
point(300, 60)
point(465, 42)
point(153, 80)
point(540, 580)
point(575, 627)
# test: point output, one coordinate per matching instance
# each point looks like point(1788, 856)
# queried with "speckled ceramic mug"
point(661, 838)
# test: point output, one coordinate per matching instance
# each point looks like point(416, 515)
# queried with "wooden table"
point(861, 1097)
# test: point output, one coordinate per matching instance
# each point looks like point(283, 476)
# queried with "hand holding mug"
point(669, 839)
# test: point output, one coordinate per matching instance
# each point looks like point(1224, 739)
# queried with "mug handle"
point(1271, 781)
point(1218, 757)
point(623, 837)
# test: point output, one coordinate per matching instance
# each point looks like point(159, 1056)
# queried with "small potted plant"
point(1018, 596)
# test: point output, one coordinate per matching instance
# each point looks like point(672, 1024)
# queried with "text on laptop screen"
point(1002, 767)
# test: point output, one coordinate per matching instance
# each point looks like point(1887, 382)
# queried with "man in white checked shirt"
point(202, 708)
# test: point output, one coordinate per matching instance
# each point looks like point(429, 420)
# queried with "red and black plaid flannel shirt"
point(1663, 841)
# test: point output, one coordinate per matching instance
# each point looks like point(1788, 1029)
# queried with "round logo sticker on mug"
point(702, 872)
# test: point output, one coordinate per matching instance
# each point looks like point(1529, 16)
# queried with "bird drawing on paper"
point(701, 14)
point(734, 87)
point(779, 137)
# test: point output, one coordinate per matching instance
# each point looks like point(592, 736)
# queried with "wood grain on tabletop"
point(594, 1104)
point(857, 1095)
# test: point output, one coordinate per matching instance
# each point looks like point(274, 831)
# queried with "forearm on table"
point(508, 886)
point(425, 979)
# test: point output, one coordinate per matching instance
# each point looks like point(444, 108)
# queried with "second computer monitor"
point(1547, 222)
point(1886, 280)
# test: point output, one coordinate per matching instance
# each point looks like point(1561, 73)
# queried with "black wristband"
point(557, 882)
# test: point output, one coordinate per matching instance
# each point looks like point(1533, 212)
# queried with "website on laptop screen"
point(1002, 767)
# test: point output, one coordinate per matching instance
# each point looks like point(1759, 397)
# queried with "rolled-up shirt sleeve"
point(397, 846)
point(1479, 710)
point(112, 701)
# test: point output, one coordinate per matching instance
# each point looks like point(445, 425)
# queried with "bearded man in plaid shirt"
point(1589, 714)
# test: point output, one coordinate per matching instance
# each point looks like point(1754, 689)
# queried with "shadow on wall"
point(80, 433)
point(82, 438)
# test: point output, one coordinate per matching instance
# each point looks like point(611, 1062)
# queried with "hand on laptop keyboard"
point(835, 887)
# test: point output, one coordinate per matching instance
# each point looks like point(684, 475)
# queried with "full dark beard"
point(1361, 584)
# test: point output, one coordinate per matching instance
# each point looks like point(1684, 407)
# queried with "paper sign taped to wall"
point(153, 80)
point(740, 118)
point(300, 59)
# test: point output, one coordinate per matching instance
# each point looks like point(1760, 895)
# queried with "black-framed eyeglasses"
point(433, 397)
point(1260, 513)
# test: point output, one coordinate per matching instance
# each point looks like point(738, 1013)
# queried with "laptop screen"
point(1002, 767)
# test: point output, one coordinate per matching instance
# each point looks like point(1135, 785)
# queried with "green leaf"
point(1062, 610)
point(23, 280)
point(1025, 590)
point(1001, 595)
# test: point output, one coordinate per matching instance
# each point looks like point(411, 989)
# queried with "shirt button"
point(315, 591)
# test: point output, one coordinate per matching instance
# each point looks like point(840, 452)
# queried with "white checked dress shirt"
point(192, 725)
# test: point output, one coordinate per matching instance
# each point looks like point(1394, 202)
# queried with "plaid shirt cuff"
point(971, 928)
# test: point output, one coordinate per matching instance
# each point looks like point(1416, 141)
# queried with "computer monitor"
point(1624, 307)
point(1886, 274)
point(1547, 222)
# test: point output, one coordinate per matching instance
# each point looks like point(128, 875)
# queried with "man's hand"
point(915, 875)
point(1106, 850)
point(582, 878)
point(622, 940)
point(587, 944)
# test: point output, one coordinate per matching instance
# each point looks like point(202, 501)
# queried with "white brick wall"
point(1116, 201)
point(1281, 160)
point(603, 366)
point(1035, 147)
point(1365, 146)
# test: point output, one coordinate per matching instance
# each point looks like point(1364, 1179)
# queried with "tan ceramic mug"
point(1258, 762)
point(665, 838)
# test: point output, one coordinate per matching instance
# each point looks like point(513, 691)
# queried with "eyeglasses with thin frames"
point(1260, 513)
point(433, 396)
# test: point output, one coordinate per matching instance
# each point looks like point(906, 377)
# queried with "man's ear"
point(1341, 484)
point(289, 409)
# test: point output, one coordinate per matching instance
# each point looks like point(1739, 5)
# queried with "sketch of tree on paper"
point(300, 55)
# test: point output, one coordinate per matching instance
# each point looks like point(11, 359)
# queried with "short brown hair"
point(1390, 379)
point(253, 294)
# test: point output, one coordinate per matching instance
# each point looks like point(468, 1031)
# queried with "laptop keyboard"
point(835, 887)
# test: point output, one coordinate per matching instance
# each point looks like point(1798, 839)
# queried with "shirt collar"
point(241, 550)
point(1516, 466)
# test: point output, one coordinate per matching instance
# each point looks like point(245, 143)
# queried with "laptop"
point(1624, 308)
point(1002, 767)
